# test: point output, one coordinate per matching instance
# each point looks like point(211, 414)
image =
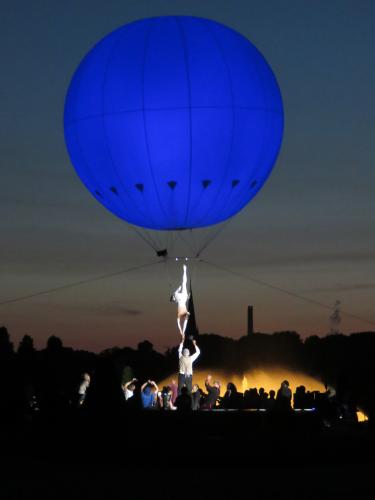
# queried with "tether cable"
point(77, 283)
point(285, 291)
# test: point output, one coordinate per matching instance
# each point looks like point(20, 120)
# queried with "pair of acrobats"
point(181, 297)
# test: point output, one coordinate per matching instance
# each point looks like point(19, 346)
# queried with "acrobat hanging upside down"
point(181, 296)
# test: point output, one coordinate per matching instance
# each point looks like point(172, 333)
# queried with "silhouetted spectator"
point(251, 399)
point(348, 405)
point(183, 401)
point(82, 389)
point(174, 388)
point(310, 399)
point(135, 402)
point(271, 401)
point(328, 406)
point(332, 402)
point(300, 398)
point(149, 391)
point(284, 397)
point(165, 399)
point(196, 396)
point(230, 400)
point(213, 393)
point(331, 392)
point(262, 399)
point(129, 388)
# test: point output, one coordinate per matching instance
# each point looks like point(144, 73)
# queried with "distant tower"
point(335, 318)
point(191, 329)
point(250, 324)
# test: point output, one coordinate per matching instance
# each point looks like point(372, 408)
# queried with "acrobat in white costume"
point(181, 296)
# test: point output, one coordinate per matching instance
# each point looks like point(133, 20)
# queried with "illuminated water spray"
point(268, 378)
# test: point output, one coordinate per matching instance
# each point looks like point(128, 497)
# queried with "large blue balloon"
point(173, 122)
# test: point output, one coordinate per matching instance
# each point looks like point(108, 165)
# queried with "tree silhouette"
point(145, 347)
point(26, 346)
point(6, 346)
point(54, 344)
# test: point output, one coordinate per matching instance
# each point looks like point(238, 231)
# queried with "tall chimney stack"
point(250, 325)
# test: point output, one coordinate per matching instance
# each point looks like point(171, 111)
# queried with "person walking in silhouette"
point(185, 374)
point(181, 296)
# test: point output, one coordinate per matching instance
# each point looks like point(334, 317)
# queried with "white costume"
point(181, 296)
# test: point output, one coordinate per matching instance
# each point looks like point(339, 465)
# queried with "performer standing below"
point(185, 374)
point(181, 296)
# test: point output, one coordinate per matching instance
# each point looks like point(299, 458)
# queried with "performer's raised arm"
point(133, 381)
point(197, 351)
point(180, 347)
point(155, 386)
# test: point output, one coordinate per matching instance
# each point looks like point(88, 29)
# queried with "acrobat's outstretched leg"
point(185, 324)
point(182, 331)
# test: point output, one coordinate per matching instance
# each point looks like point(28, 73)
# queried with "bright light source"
point(362, 417)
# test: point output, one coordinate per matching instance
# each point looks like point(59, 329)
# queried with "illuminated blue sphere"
point(173, 122)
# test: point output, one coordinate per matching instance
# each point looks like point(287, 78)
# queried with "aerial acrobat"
point(181, 296)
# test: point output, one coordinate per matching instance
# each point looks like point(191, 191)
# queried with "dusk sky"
point(310, 230)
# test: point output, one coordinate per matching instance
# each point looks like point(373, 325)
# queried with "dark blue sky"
point(310, 230)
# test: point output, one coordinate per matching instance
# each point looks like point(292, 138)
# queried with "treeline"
point(52, 374)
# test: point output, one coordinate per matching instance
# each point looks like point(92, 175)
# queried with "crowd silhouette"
point(58, 378)
point(84, 412)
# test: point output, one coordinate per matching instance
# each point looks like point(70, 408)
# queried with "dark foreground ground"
point(231, 455)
